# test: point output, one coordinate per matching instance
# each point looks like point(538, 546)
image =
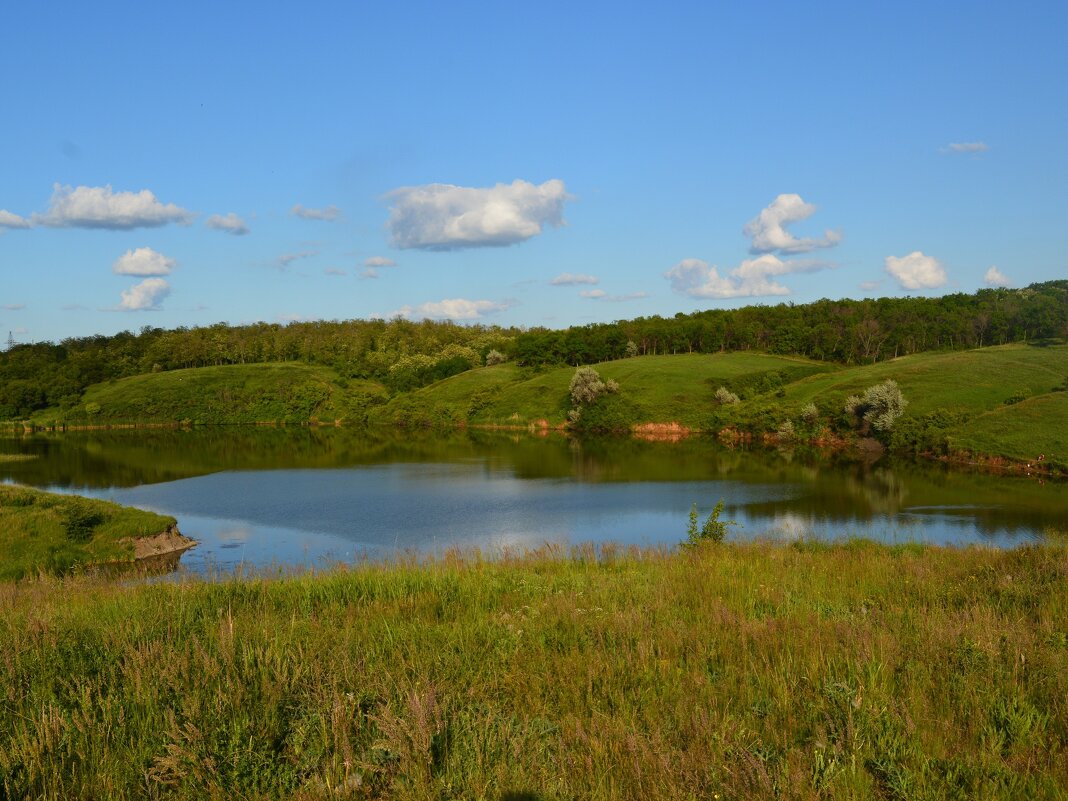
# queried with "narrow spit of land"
point(847, 671)
point(42, 532)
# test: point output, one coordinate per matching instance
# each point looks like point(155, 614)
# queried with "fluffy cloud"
point(870, 286)
point(231, 224)
point(13, 306)
point(768, 229)
point(916, 271)
point(144, 296)
point(453, 309)
point(369, 272)
point(100, 207)
point(752, 278)
point(966, 147)
point(329, 214)
point(571, 279)
point(379, 261)
point(994, 277)
point(9, 220)
point(334, 271)
point(446, 217)
point(596, 294)
point(143, 261)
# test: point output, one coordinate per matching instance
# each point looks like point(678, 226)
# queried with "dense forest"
point(403, 354)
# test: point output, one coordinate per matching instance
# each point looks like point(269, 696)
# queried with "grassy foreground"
point(734, 672)
point(41, 531)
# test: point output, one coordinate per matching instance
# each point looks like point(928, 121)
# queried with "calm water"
point(309, 497)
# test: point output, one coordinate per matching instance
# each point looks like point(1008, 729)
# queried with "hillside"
point(660, 388)
point(239, 393)
point(999, 401)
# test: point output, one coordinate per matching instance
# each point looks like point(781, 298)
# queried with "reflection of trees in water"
point(883, 490)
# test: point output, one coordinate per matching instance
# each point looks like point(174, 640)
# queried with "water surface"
point(308, 497)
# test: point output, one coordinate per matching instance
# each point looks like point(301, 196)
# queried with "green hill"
point(659, 388)
point(239, 393)
point(998, 401)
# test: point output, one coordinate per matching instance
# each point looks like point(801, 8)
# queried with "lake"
point(263, 497)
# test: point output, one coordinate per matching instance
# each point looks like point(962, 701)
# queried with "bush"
point(586, 386)
point(80, 518)
point(810, 414)
point(495, 357)
point(785, 431)
point(725, 397)
point(1017, 396)
point(879, 407)
point(609, 414)
point(631, 350)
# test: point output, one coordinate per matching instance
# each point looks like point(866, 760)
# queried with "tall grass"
point(734, 671)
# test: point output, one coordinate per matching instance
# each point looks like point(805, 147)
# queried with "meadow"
point(848, 671)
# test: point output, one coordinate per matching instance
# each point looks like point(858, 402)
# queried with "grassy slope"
point(739, 672)
point(972, 381)
point(660, 388)
point(230, 394)
point(42, 531)
point(664, 388)
point(1026, 430)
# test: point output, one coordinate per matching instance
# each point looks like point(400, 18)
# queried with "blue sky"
point(193, 163)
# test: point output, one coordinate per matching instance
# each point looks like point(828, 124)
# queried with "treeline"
point(846, 331)
point(46, 374)
point(403, 354)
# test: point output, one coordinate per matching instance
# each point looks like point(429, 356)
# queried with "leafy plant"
point(714, 529)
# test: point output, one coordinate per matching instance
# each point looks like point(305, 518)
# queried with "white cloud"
point(752, 278)
point(328, 214)
point(447, 217)
point(994, 277)
point(334, 271)
point(100, 207)
point(369, 272)
point(571, 279)
point(9, 220)
point(144, 296)
point(593, 293)
point(917, 271)
point(143, 261)
point(73, 307)
point(379, 261)
point(453, 309)
point(870, 286)
point(231, 224)
point(966, 147)
point(768, 229)
point(13, 306)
